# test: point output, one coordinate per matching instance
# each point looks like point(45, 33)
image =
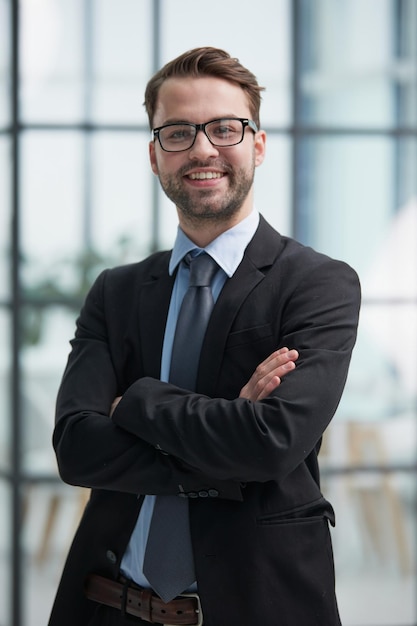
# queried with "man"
point(240, 442)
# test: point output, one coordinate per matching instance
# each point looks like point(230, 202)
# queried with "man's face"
point(206, 182)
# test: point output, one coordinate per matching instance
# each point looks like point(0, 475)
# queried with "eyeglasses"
point(224, 132)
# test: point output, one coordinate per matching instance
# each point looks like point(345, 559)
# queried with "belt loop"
point(123, 598)
point(146, 599)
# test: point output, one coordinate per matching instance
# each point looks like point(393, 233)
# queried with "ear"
point(260, 147)
point(152, 158)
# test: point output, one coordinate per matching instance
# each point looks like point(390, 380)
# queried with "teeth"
point(205, 175)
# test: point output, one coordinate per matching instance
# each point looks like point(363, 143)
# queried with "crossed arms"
point(261, 435)
point(265, 378)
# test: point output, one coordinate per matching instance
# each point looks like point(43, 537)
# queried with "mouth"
point(207, 175)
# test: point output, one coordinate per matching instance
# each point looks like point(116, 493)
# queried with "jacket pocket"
point(301, 514)
point(249, 335)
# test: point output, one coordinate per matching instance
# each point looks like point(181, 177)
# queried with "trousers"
point(107, 616)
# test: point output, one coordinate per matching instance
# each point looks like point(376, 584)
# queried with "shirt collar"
point(227, 249)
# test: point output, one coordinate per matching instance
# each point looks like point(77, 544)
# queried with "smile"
point(205, 175)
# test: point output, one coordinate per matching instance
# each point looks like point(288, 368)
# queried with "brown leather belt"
point(134, 600)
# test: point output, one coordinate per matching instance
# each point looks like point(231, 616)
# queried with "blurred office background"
point(77, 194)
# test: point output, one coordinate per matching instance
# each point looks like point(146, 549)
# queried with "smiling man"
point(198, 388)
point(210, 183)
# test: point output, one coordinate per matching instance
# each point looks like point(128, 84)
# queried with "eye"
point(177, 133)
point(225, 129)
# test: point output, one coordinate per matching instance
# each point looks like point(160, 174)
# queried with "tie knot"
point(202, 269)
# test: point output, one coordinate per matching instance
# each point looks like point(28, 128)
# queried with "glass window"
point(47, 332)
point(120, 58)
point(405, 170)
point(4, 63)
point(51, 509)
point(389, 316)
point(349, 211)
point(5, 549)
point(406, 52)
point(354, 74)
point(121, 180)
point(52, 44)
point(273, 184)
point(382, 382)
point(374, 539)
point(347, 195)
point(84, 60)
point(5, 217)
point(232, 27)
point(52, 202)
point(52, 513)
point(5, 389)
point(86, 204)
point(168, 220)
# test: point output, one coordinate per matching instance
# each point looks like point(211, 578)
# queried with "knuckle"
point(260, 370)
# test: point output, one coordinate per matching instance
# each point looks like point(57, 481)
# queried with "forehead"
point(199, 100)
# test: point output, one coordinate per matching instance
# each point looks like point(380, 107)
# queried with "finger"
point(285, 368)
point(276, 360)
point(276, 365)
point(280, 356)
point(268, 388)
point(114, 405)
point(263, 386)
point(277, 354)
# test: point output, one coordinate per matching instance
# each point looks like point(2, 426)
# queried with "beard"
point(206, 205)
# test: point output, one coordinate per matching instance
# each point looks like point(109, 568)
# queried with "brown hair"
point(205, 61)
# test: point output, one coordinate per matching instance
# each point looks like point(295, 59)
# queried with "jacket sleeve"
point(92, 450)
point(266, 440)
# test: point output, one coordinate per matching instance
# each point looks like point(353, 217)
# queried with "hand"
point(114, 404)
point(268, 374)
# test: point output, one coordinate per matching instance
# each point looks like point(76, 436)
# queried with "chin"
point(212, 214)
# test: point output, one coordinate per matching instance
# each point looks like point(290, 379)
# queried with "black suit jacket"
point(259, 522)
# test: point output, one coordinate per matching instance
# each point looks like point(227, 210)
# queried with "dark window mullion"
point(16, 408)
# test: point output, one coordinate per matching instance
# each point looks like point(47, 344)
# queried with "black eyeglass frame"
point(245, 123)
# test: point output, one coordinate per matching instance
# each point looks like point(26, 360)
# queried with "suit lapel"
point(154, 302)
point(260, 254)
point(155, 295)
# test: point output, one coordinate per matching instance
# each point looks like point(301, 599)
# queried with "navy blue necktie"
point(168, 563)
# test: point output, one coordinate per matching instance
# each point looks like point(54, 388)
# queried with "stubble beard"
point(205, 206)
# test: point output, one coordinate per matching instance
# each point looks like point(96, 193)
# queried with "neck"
point(203, 231)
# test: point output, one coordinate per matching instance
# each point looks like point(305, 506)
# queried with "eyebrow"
point(212, 119)
point(176, 121)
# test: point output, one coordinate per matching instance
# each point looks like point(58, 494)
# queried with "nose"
point(202, 147)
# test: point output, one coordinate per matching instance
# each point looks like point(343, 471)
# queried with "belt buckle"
point(199, 613)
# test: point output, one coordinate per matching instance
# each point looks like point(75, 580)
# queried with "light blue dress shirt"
point(227, 250)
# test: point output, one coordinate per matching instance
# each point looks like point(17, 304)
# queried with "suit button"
point(213, 493)
point(111, 556)
point(192, 494)
point(203, 493)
